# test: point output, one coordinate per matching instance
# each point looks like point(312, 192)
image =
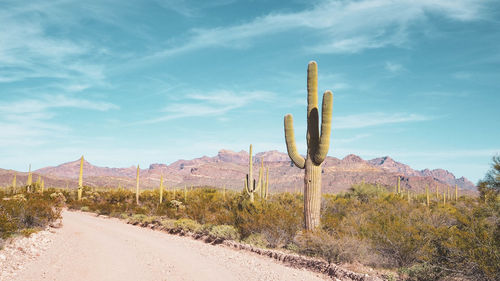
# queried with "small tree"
point(489, 187)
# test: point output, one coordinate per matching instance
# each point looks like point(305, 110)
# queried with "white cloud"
point(374, 119)
point(341, 26)
point(215, 103)
point(29, 121)
point(393, 67)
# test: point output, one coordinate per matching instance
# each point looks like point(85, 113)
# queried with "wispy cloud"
point(29, 121)
point(215, 103)
point(343, 25)
point(393, 67)
point(375, 119)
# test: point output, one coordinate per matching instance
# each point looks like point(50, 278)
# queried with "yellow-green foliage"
point(22, 213)
point(366, 224)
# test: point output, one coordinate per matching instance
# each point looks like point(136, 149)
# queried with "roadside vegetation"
point(368, 225)
point(23, 213)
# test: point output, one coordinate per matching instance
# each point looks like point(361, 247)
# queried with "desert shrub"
point(226, 232)
point(27, 211)
point(187, 225)
point(257, 240)
point(85, 209)
point(332, 249)
point(137, 219)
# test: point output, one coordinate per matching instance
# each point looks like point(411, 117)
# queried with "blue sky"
point(127, 82)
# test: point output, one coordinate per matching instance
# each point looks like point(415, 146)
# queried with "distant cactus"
point(224, 192)
point(161, 189)
point(399, 184)
point(317, 146)
point(29, 182)
point(42, 186)
point(444, 197)
point(185, 193)
point(456, 192)
point(265, 191)
point(80, 180)
point(437, 192)
point(251, 186)
point(137, 187)
point(427, 195)
point(14, 183)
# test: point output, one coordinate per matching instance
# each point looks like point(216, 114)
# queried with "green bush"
point(187, 225)
point(225, 232)
point(256, 239)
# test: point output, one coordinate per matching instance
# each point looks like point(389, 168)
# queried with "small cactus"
point(80, 180)
point(427, 195)
point(161, 189)
point(137, 186)
point(14, 183)
point(251, 186)
point(29, 182)
point(399, 184)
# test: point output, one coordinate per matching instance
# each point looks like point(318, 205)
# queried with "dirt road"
point(93, 248)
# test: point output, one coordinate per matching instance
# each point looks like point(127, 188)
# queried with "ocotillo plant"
point(317, 146)
point(80, 180)
point(250, 184)
point(161, 189)
point(137, 187)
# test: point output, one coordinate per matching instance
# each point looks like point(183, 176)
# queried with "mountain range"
point(228, 168)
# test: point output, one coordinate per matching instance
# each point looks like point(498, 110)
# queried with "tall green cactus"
point(317, 146)
point(161, 189)
point(137, 187)
point(251, 186)
point(80, 180)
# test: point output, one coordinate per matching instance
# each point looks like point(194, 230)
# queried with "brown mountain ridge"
point(228, 168)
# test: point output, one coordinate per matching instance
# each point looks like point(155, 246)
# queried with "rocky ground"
point(19, 252)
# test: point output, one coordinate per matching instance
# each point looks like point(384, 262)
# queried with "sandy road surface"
point(93, 248)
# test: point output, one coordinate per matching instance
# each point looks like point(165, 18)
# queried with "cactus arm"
point(326, 125)
point(291, 147)
point(246, 186)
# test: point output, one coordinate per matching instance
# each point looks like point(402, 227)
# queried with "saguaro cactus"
point(317, 146)
point(399, 184)
point(427, 195)
point(29, 181)
point(14, 183)
point(251, 186)
point(137, 187)
point(80, 180)
point(161, 189)
point(456, 192)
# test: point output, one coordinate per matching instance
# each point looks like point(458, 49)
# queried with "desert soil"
point(94, 248)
